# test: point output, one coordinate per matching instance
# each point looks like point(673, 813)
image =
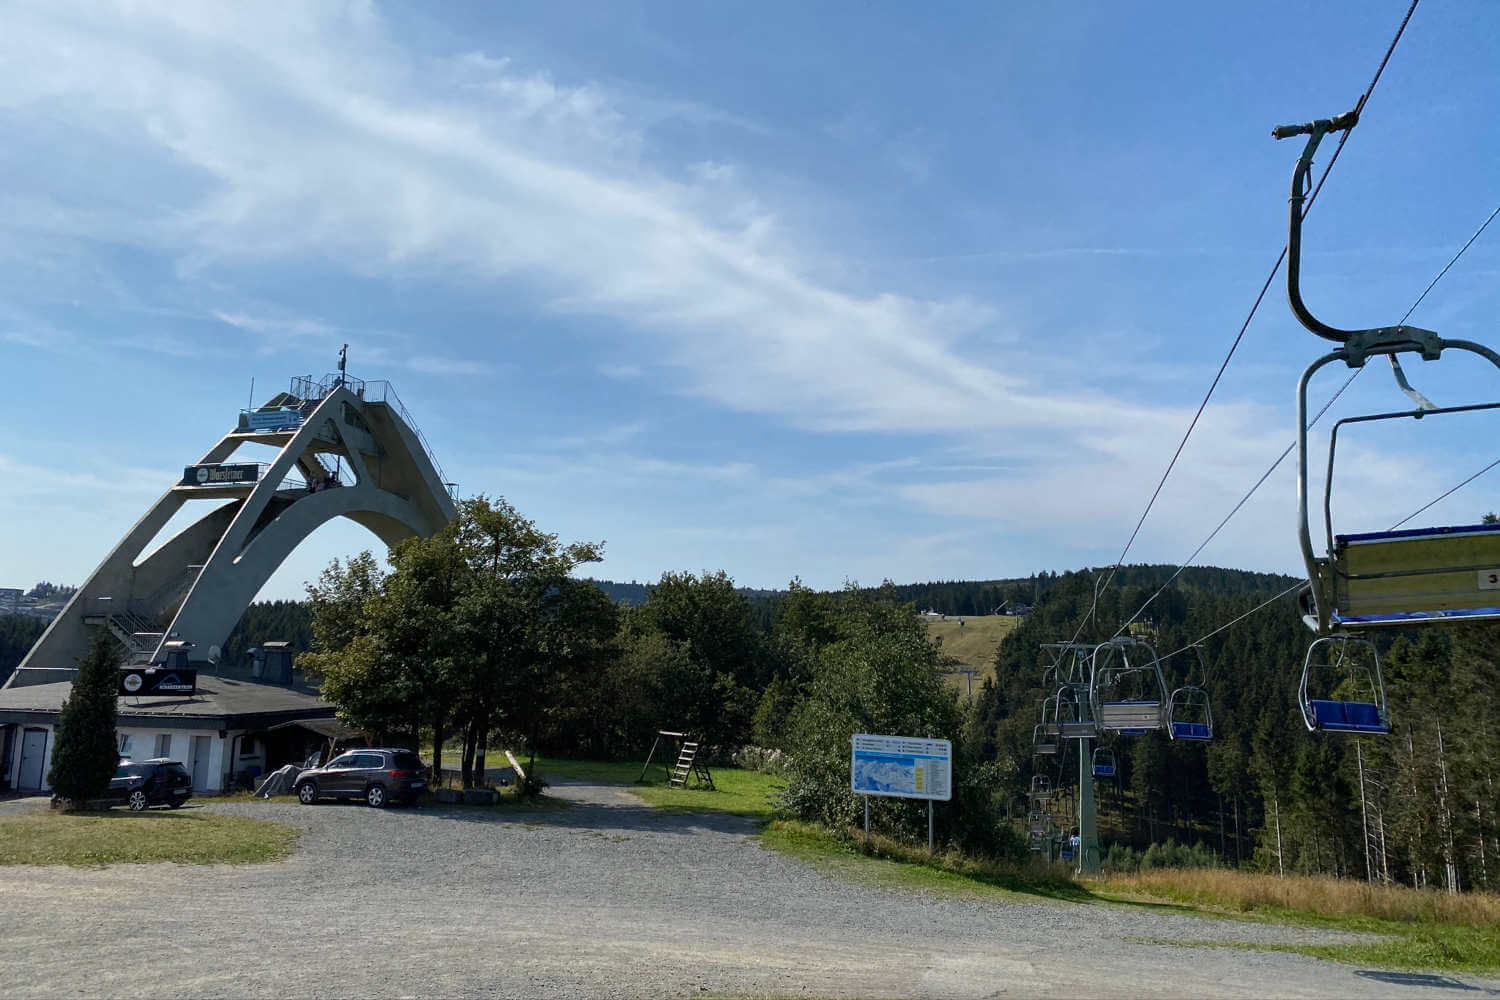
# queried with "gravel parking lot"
point(607, 899)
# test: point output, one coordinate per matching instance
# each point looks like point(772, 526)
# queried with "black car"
point(378, 776)
point(151, 783)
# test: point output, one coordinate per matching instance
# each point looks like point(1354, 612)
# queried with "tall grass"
point(949, 870)
point(1330, 897)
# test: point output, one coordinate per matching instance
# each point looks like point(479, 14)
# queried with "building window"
point(124, 744)
point(164, 745)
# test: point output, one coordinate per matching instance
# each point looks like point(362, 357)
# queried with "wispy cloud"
point(299, 133)
point(311, 134)
point(449, 366)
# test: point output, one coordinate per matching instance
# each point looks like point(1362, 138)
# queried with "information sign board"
point(270, 420)
point(904, 767)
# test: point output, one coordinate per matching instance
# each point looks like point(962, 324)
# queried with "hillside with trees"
point(1265, 790)
point(590, 668)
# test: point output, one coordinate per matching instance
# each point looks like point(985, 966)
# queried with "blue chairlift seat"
point(1347, 716)
point(1104, 762)
point(1192, 731)
point(1356, 661)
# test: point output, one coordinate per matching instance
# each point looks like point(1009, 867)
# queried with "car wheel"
point(137, 800)
point(375, 796)
point(307, 793)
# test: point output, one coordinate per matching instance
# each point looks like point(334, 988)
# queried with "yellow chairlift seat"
point(1402, 577)
point(1042, 743)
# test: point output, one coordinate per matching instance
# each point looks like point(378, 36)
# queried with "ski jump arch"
point(196, 585)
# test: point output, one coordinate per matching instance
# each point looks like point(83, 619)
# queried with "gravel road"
point(607, 899)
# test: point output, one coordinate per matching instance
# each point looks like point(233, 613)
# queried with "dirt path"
point(608, 898)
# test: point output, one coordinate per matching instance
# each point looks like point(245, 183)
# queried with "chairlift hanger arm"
point(1360, 344)
point(1315, 131)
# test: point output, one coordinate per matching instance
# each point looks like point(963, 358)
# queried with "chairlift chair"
point(1104, 762)
point(1189, 716)
point(1389, 578)
point(1041, 788)
point(1127, 692)
point(1051, 709)
point(1356, 666)
point(1042, 742)
point(1071, 721)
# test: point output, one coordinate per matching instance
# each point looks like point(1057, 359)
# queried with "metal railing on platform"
point(314, 390)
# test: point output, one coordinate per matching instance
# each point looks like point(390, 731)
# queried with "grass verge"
point(950, 872)
point(45, 837)
point(740, 793)
point(1420, 929)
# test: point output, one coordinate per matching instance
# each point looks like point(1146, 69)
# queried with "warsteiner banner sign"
point(214, 475)
point(148, 681)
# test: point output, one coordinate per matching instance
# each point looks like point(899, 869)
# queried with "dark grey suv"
point(378, 776)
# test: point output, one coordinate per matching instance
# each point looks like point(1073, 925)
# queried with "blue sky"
point(837, 291)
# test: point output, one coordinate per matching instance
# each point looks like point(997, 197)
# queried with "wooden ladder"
point(686, 765)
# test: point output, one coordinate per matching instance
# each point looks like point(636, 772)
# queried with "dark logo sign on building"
point(214, 475)
point(145, 681)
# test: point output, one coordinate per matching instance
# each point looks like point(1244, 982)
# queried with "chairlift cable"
point(1236, 509)
point(1234, 346)
point(1445, 496)
point(1448, 265)
point(1299, 584)
point(1347, 382)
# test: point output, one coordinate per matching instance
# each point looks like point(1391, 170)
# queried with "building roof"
point(219, 703)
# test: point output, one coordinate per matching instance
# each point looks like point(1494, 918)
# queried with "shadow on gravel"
point(1422, 979)
point(622, 812)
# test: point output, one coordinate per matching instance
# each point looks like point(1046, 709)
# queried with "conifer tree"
point(87, 751)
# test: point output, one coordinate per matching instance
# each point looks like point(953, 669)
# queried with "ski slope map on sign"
point(901, 766)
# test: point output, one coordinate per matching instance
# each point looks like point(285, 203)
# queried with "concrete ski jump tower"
point(188, 594)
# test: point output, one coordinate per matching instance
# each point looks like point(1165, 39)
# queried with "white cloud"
point(308, 133)
point(304, 132)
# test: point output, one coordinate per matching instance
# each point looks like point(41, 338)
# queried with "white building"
point(226, 729)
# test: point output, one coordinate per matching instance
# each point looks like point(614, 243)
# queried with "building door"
point(201, 746)
point(33, 753)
